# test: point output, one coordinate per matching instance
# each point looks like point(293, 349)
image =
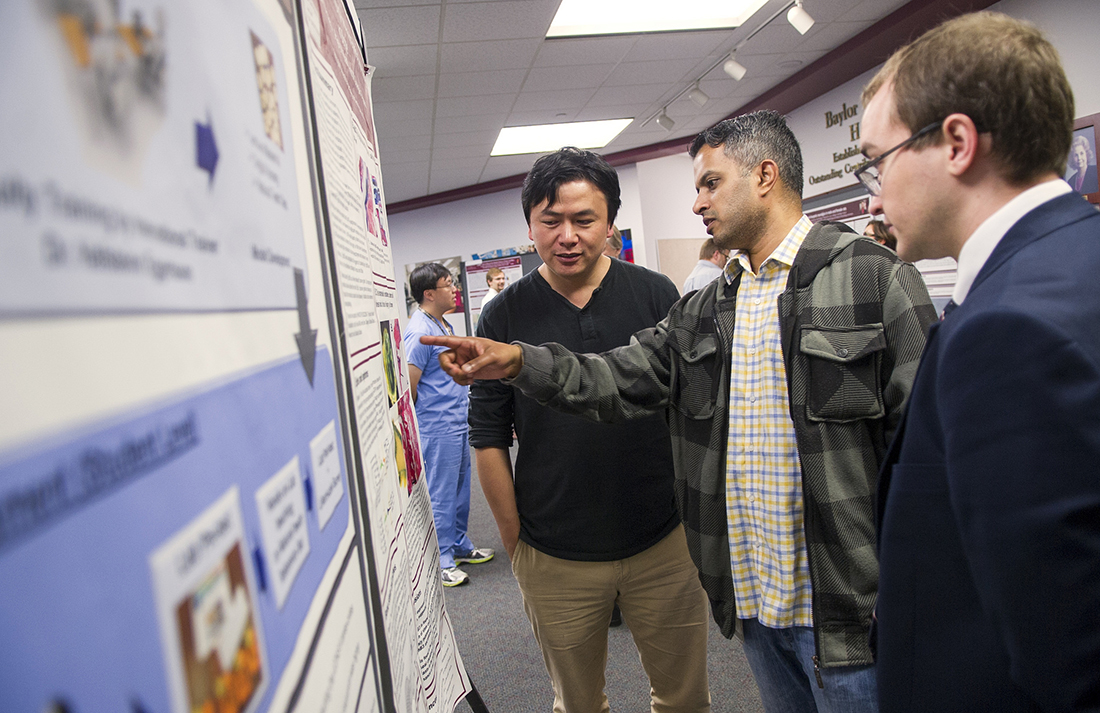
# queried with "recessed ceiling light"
point(616, 17)
point(551, 137)
point(789, 63)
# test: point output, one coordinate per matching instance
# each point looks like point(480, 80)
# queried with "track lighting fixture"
point(733, 68)
point(698, 96)
point(664, 120)
point(799, 18)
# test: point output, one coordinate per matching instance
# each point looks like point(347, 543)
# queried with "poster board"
point(189, 470)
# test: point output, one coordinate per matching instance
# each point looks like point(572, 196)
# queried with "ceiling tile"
point(667, 72)
point(391, 26)
point(678, 45)
point(462, 124)
point(542, 79)
point(387, 89)
point(396, 158)
point(628, 96)
point(476, 83)
point(414, 127)
point(599, 113)
point(501, 20)
point(482, 56)
point(405, 143)
point(562, 100)
point(467, 138)
point(871, 10)
point(588, 50)
point(544, 116)
point(826, 11)
point(474, 105)
point(403, 61)
point(405, 181)
point(444, 151)
point(376, 4)
point(399, 112)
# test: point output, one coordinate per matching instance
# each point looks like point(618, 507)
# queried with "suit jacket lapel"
point(1055, 213)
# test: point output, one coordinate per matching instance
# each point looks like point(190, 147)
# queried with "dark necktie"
point(948, 309)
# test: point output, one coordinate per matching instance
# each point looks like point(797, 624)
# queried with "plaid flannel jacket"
point(853, 318)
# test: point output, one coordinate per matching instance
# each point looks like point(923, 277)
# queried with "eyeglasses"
point(448, 285)
point(868, 173)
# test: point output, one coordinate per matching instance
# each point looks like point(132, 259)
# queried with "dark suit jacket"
point(989, 499)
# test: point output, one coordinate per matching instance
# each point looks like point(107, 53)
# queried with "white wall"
point(667, 188)
point(1073, 26)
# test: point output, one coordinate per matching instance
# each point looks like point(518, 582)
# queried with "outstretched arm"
point(472, 358)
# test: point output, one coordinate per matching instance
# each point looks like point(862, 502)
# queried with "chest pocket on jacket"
point(694, 386)
point(844, 369)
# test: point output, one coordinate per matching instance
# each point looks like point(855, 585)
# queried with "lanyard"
point(445, 327)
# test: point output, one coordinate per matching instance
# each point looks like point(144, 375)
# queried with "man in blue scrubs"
point(441, 412)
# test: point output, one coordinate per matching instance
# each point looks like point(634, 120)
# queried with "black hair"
point(751, 138)
point(426, 277)
point(564, 166)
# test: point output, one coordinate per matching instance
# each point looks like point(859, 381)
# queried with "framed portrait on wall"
point(1081, 163)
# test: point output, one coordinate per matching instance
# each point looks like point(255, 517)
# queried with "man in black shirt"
point(589, 516)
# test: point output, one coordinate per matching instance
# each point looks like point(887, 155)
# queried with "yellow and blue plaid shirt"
point(771, 573)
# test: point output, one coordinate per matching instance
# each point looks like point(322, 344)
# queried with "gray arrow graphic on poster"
point(306, 337)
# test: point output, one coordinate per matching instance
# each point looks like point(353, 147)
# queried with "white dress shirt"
point(981, 243)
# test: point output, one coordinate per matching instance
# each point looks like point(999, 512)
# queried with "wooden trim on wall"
point(851, 59)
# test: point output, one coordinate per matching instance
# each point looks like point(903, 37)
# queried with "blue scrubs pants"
point(447, 469)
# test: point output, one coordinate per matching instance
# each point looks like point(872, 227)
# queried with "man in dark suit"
point(989, 499)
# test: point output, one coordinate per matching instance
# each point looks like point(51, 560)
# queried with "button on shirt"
point(771, 574)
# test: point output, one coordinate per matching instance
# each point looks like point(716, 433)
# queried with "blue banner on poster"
point(153, 557)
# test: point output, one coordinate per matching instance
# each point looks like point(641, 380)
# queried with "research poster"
point(423, 658)
point(178, 530)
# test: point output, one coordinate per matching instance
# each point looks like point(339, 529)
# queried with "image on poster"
point(206, 603)
point(158, 173)
point(118, 538)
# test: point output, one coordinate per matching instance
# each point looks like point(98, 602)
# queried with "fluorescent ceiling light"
point(616, 17)
point(551, 137)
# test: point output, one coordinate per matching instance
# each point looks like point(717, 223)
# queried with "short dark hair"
point(426, 277)
point(999, 71)
point(564, 166)
point(750, 138)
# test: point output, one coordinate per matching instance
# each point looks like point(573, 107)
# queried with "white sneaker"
point(453, 576)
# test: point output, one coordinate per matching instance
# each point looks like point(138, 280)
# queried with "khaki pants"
point(569, 604)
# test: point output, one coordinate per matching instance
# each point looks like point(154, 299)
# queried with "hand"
point(470, 358)
point(510, 540)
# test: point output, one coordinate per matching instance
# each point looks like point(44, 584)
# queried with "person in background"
point(588, 514)
point(441, 407)
point(496, 280)
point(614, 246)
point(989, 498)
point(876, 230)
point(711, 261)
point(782, 382)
